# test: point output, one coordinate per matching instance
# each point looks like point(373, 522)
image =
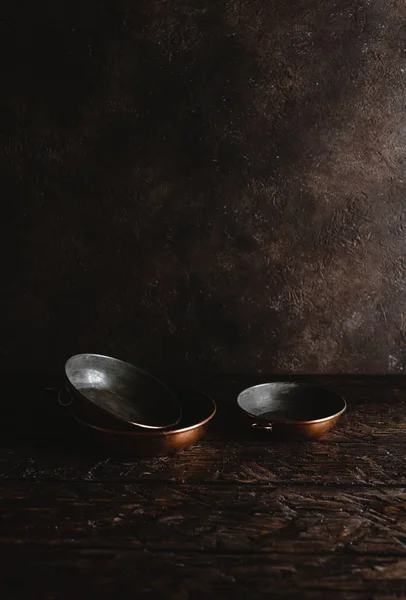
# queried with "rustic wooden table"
point(234, 516)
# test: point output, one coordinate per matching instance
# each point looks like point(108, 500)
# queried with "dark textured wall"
point(216, 185)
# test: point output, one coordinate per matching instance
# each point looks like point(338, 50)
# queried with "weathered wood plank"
point(34, 572)
point(218, 461)
point(221, 519)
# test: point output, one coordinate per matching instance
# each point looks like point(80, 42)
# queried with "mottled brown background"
point(211, 184)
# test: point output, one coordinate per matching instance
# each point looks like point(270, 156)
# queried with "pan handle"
point(266, 427)
point(63, 393)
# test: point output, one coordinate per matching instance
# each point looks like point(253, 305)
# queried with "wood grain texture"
point(67, 573)
point(214, 462)
point(222, 519)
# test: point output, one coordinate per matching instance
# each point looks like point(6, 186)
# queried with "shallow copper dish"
point(104, 386)
point(290, 410)
point(198, 410)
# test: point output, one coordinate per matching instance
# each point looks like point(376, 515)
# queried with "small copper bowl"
point(198, 410)
point(290, 410)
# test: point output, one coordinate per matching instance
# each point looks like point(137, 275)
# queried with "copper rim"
point(328, 418)
point(151, 432)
